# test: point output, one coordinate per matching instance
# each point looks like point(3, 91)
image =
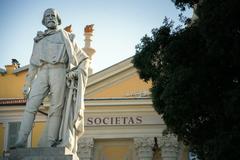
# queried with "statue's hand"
point(72, 75)
point(78, 121)
point(26, 91)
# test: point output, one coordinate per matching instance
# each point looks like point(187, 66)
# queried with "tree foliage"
point(195, 72)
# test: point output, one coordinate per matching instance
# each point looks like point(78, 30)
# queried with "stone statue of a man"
point(55, 56)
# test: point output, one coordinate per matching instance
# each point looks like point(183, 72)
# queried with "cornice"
point(121, 101)
point(12, 101)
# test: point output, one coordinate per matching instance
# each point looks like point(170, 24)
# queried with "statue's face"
point(51, 21)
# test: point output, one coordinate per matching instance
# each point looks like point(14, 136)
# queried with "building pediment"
point(119, 80)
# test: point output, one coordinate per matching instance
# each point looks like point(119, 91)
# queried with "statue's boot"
point(53, 130)
point(25, 129)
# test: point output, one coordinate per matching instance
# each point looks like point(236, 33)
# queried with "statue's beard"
point(51, 25)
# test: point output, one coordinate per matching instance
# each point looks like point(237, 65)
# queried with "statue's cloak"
point(72, 126)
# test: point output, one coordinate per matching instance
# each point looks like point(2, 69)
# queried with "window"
point(12, 133)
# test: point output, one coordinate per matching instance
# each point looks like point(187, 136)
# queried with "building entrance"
point(114, 149)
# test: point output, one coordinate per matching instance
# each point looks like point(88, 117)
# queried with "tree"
point(195, 72)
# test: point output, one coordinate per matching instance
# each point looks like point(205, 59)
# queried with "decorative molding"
point(143, 147)
point(169, 141)
point(121, 101)
point(143, 141)
point(14, 113)
point(168, 144)
point(169, 147)
point(85, 148)
point(13, 101)
point(138, 93)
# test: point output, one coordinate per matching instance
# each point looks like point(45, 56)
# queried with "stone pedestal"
point(46, 153)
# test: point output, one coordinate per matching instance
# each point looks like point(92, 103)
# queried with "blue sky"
point(119, 25)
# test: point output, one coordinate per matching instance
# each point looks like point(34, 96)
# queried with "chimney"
point(10, 68)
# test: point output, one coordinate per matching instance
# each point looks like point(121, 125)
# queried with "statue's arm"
point(80, 56)
point(32, 71)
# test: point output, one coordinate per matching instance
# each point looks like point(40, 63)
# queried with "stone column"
point(169, 147)
point(143, 147)
point(85, 148)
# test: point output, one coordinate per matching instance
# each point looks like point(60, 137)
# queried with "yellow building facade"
point(120, 122)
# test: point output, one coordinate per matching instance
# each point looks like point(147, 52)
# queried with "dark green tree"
point(195, 72)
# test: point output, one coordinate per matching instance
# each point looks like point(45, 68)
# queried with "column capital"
point(85, 148)
point(169, 140)
point(143, 147)
point(143, 141)
point(169, 147)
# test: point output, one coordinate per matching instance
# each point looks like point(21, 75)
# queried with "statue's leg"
point(25, 129)
point(57, 81)
point(38, 91)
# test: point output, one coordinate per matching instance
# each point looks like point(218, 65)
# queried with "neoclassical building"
point(120, 122)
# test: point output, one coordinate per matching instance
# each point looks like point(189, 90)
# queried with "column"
point(6, 128)
point(169, 147)
point(85, 148)
point(143, 147)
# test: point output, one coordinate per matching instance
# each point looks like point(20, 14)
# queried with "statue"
point(58, 69)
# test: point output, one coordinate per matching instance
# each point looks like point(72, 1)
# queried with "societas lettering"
point(126, 120)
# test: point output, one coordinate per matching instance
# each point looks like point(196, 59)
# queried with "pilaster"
point(85, 148)
point(169, 147)
point(143, 147)
point(6, 128)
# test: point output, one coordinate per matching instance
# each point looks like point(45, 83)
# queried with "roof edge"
point(110, 71)
point(16, 71)
point(2, 71)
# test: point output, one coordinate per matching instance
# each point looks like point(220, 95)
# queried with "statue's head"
point(51, 18)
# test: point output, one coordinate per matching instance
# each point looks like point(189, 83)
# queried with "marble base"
point(45, 153)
